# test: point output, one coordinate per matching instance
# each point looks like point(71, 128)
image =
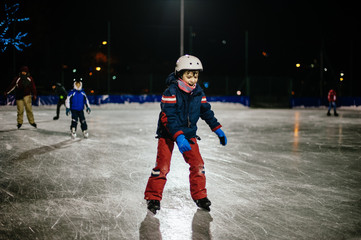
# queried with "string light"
point(6, 40)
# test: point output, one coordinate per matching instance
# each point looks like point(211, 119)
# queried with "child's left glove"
point(67, 111)
point(88, 110)
point(222, 137)
point(183, 144)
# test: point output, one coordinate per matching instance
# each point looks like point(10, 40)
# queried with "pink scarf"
point(185, 86)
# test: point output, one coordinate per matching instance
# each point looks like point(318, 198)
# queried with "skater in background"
point(61, 93)
point(183, 103)
point(25, 91)
point(332, 102)
point(75, 104)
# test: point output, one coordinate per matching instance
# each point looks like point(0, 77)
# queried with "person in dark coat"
point(24, 87)
point(62, 94)
point(182, 104)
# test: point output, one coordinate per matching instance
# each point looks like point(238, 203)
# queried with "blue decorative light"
point(5, 39)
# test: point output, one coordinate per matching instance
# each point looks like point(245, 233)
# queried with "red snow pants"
point(158, 178)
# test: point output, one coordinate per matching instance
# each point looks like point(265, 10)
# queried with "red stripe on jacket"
point(169, 99)
point(204, 99)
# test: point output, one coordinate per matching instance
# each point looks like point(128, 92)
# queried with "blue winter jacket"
point(180, 111)
point(76, 100)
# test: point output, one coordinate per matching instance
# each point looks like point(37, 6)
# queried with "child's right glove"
point(67, 111)
point(222, 137)
point(88, 110)
point(183, 144)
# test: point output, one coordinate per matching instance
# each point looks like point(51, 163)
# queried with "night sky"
point(67, 35)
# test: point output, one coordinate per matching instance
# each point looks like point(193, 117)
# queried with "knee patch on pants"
point(160, 172)
point(155, 172)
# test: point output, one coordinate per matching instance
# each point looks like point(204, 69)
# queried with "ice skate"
point(34, 125)
point(85, 134)
point(73, 133)
point(19, 125)
point(153, 205)
point(203, 203)
point(56, 118)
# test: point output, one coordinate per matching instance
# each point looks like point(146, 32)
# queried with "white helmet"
point(80, 80)
point(188, 62)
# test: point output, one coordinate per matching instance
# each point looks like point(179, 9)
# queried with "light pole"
point(321, 70)
point(108, 59)
point(248, 86)
point(182, 27)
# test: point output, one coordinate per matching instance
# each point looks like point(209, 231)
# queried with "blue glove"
point(222, 137)
point(88, 110)
point(67, 111)
point(183, 144)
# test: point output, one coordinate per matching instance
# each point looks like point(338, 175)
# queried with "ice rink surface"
point(285, 174)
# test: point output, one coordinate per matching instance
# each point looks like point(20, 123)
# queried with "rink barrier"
point(121, 99)
point(244, 100)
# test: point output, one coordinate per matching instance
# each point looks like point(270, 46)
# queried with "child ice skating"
point(75, 104)
point(183, 103)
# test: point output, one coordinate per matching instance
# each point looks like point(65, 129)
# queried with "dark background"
point(67, 35)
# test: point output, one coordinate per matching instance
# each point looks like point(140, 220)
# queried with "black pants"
point(60, 102)
point(75, 114)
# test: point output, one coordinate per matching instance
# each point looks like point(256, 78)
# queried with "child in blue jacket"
point(75, 104)
point(183, 103)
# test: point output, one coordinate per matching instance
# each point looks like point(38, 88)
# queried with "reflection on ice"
point(201, 225)
point(150, 228)
point(295, 131)
point(340, 134)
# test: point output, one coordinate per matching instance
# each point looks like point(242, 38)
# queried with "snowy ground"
point(285, 174)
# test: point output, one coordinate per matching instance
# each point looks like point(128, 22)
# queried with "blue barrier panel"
point(40, 100)
point(46, 100)
point(306, 102)
point(357, 101)
point(350, 101)
point(10, 100)
point(103, 99)
point(230, 99)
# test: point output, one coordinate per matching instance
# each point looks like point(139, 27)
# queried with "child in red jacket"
point(332, 102)
point(183, 103)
